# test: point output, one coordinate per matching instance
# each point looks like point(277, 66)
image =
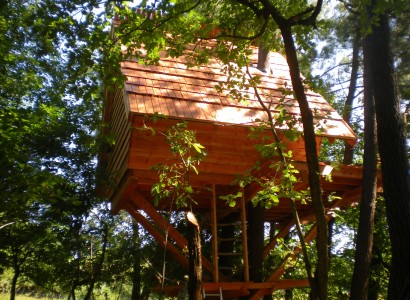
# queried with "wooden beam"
point(285, 284)
point(348, 198)
point(122, 193)
point(281, 234)
point(158, 219)
point(250, 285)
point(241, 288)
point(282, 267)
point(141, 203)
point(244, 238)
point(159, 237)
point(214, 235)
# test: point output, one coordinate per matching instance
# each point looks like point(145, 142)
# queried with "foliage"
point(174, 180)
point(54, 56)
point(49, 111)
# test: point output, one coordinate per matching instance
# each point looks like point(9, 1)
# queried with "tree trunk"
point(272, 231)
point(256, 217)
point(364, 242)
point(394, 163)
point(14, 280)
point(71, 295)
point(319, 291)
point(136, 255)
point(263, 59)
point(347, 110)
point(195, 261)
point(330, 225)
point(377, 266)
point(374, 280)
point(97, 269)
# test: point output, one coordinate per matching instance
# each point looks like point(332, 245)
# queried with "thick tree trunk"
point(272, 231)
point(330, 225)
point(263, 58)
point(195, 261)
point(256, 216)
point(374, 280)
point(394, 164)
point(319, 291)
point(136, 256)
point(377, 265)
point(14, 280)
point(364, 242)
point(347, 110)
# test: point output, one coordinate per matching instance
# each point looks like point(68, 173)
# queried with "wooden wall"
point(114, 161)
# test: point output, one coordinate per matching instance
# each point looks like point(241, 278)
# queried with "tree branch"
point(239, 37)
point(311, 20)
point(250, 4)
point(139, 27)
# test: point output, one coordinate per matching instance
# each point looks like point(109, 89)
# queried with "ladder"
point(242, 224)
point(204, 294)
point(228, 257)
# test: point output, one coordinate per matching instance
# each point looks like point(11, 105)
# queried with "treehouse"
point(222, 126)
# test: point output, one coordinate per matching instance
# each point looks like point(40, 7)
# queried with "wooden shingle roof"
point(173, 89)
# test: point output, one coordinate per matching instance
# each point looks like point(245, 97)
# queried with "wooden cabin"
point(222, 126)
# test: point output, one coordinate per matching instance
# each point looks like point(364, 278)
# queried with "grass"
point(21, 297)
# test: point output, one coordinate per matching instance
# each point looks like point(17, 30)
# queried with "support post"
point(214, 236)
point(244, 239)
point(195, 262)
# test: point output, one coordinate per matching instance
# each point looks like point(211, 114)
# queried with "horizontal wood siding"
point(117, 118)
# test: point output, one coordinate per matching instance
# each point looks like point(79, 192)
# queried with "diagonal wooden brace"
point(159, 237)
point(139, 202)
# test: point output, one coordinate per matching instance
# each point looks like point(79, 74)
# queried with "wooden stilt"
point(244, 239)
point(214, 235)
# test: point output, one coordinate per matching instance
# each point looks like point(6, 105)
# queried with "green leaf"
point(189, 189)
point(198, 147)
point(196, 171)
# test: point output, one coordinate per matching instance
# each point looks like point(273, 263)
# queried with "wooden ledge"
point(237, 288)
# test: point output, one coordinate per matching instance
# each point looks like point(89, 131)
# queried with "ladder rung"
point(229, 239)
point(228, 224)
point(229, 268)
point(204, 294)
point(229, 253)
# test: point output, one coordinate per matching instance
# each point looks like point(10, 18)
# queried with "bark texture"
point(136, 275)
point(263, 59)
point(364, 242)
point(266, 9)
point(347, 110)
point(320, 290)
point(16, 275)
point(195, 261)
point(256, 217)
point(394, 163)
